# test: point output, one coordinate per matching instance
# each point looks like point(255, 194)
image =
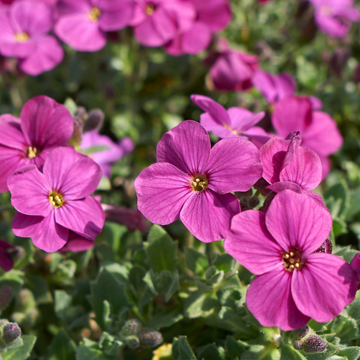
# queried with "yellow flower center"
point(56, 199)
point(199, 183)
point(149, 9)
point(230, 129)
point(22, 37)
point(94, 14)
point(292, 260)
point(31, 152)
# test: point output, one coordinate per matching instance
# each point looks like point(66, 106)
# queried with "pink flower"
point(293, 283)
point(6, 261)
point(112, 152)
point(355, 264)
point(318, 130)
point(24, 32)
point(287, 165)
point(233, 122)
point(193, 182)
point(57, 201)
point(211, 17)
point(334, 17)
point(83, 24)
point(158, 21)
point(44, 125)
point(232, 69)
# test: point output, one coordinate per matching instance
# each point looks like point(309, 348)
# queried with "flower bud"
point(150, 338)
point(314, 343)
point(94, 121)
point(78, 130)
point(6, 294)
point(298, 344)
point(131, 327)
point(81, 113)
point(326, 247)
point(132, 342)
point(11, 332)
point(253, 202)
point(302, 332)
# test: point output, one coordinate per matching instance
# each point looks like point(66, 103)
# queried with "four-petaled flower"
point(193, 181)
point(293, 283)
point(52, 204)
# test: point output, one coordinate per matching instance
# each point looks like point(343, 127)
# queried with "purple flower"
point(24, 32)
point(6, 261)
point(334, 17)
point(83, 24)
point(52, 204)
point(193, 182)
point(211, 17)
point(287, 165)
point(318, 130)
point(233, 122)
point(232, 69)
point(158, 21)
point(112, 153)
point(355, 264)
point(293, 283)
point(44, 125)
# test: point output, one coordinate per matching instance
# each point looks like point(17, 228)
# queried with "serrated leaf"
point(289, 353)
point(62, 347)
point(161, 250)
point(350, 353)
point(196, 261)
point(353, 309)
point(181, 349)
point(346, 329)
point(318, 327)
point(22, 352)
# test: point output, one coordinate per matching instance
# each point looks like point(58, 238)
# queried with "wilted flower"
point(57, 201)
point(233, 122)
point(334, 17)
point(318, 129)
point(83, 24)
point(158, 21)
point(24, 35)
point(6, 261)
point(232, 69)
point(293, 283)
point(194, 182)
point(43, 125)
point(211, 17)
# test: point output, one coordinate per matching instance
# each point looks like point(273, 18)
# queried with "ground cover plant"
point(179, 179)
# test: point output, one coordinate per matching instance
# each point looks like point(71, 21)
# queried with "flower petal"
point(30, 191)
point(249, 242)
point(270, 300)
point(45, 123)
point(207, 215)
point(243, 119)
point(324, 286)
point(162, 190)
point(77, 243)
point(115, 15)
point(298, 220)
point(45, 233)
point(186, 146)
point(234, 165)
point(10, 133)
point(85, 217)
point(196, 39)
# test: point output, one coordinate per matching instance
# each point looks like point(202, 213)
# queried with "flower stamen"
point(56, 199)
point(149, 9)
point(199, 183)
point(94, 14)
point(292, 260)
point(22, 37)
point(230, 129)
point(31, 152)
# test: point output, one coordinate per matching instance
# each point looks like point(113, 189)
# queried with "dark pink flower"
point(6, 261)
point(232, 69)
point(334, 17)
point(43, 125)
point(318, 129)
point(287, 165)
point(112, 152)
point(211, 17)
point(355, 264)
point(193, 182)
point(57, 201)
point(293, 283)
point(158, 21)
point(24, 32)
point(83, 24)
point(233, 122)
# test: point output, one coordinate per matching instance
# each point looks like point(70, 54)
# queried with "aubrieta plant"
point(179, 180)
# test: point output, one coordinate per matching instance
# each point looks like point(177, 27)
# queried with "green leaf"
point(161, 250)
point(351, 353)
point(22, 352)
point(289, 353)
point(209, 352)
point(224, 262)
point(196, 261)
point(40, 288)
point(235, 348)
point(345, 252)
point(62, 347)
point(261, 352)
point(94, 149)
point(174, 286)
point(346, 329)
point(181, 349)
point(165, 318)
point(337, 200)
point(353, 309)
point(339, 227)
point(87, 353)
point(62, 303)
point(354, 206)
point(199, 304)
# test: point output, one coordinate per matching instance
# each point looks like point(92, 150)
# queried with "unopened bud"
point(78, 130)
point(326, 247)
point(94, 121)
point(302, 332)
point(81, 113)
point(131, 327)
point(132, 342)
point(253, 202)
point(17, 253)
point(6, 294)
point(150, 338)
point(11, 332)
point(314, 343)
